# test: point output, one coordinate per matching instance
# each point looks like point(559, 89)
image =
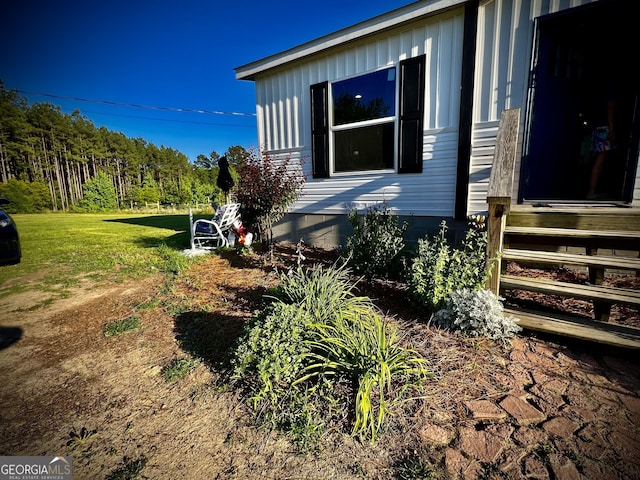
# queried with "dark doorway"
point(583, 64)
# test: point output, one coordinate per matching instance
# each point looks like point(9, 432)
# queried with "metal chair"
point(213, 233)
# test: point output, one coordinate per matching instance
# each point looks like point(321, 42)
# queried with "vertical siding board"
point(282, 110)
point(289, 107)
point(446, 80)
point(295, 128)
point(430, 78)
point(502, 55)
point(456, 81)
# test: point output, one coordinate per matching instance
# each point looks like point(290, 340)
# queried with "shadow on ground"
point(208, 336)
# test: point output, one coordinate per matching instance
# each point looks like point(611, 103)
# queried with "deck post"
point(500, 191)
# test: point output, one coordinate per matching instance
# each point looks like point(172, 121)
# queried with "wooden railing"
point(500, 192)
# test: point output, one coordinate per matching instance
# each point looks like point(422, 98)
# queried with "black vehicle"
point(10, 251)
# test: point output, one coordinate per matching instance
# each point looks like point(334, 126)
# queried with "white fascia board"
point(360, 30)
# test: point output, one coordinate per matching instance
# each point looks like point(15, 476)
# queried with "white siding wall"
point(505, 32)
point(283, 110)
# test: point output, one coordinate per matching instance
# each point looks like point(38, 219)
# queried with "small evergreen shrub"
point(98, 195)
point(438, 268)
point(374, 248)
point(477, 313)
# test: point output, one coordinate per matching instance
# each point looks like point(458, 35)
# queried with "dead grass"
point(65, 376)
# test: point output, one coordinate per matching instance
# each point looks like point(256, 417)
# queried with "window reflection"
point(366, 97)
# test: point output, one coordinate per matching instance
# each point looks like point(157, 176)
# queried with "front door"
point(582, 121)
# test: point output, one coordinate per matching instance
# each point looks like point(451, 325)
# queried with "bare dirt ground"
point(68, 390)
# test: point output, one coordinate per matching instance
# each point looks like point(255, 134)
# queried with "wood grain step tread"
point(576, 327)
point(561, 258)
point(572, 232)
point(579, 291)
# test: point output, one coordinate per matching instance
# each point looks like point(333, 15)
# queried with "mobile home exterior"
point(404, 109)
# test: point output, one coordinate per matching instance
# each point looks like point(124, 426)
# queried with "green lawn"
point(60, 248)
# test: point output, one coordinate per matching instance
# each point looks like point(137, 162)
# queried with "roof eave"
point(360, 30)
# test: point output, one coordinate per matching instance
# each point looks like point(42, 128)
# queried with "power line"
point(135, 105)
point(169, 120)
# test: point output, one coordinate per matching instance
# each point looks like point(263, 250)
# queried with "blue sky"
point(179, 55)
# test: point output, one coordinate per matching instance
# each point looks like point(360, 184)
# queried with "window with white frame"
point(366, 117)
point(364, 120)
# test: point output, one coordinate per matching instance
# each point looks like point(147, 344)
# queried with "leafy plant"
point(316, 335)
point(323, 293)
point(361, 346)
point(267, 187)
point(272, 348)
point(79, 439)
point(119, 327)
point(478, 313)
point(438, 268)
point(179, 368)
point(25, 197)
point(377, 240)
point(98, 195)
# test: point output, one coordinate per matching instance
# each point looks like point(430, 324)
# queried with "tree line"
point(50, 160)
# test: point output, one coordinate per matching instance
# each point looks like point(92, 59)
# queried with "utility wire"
point(169, 120)
point(135, 105)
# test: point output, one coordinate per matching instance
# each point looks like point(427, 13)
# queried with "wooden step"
point(572, 233)
point(561, 258)
point(579, 291)
point(579, 217)
point(579, 328)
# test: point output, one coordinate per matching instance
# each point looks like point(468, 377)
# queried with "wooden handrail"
point(500, 191)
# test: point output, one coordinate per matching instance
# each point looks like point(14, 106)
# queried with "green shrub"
point(25, 197)
point(477, 313)
point(438, 268)
point(316, 335)
point(98, 195)
point(374, 248)
point(272, 347)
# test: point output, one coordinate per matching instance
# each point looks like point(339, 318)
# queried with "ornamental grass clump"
point(297, 355)
point(363, 347)
point(477, 313)
point(323, 293)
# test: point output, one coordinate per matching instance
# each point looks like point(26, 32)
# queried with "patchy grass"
point(119, 327)
point(59, 250)
point(179, 368)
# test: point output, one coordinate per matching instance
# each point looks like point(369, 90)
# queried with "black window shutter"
point(412, 72)
point(320, 130)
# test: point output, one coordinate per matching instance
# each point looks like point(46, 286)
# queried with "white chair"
point(213, 233)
